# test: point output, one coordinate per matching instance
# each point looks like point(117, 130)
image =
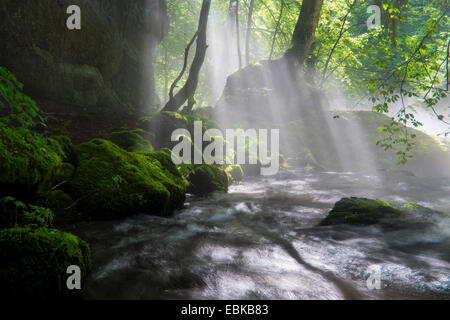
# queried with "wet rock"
point(111, 183)
point(206, 179)
point(132, 140)
point(363, 211)
point(33, 262)
point(235, 173)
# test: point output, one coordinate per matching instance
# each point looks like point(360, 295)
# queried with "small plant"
point(16, 213)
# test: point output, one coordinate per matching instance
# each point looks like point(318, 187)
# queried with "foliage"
point(21, 110)
point(33, 261)
point(16, 213)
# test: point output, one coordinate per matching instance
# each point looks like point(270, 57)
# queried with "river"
point(261, 241)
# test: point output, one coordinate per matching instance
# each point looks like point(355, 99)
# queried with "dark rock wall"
point(106, 64)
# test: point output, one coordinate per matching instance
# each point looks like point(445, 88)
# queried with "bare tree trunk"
point(304, 32)
point(249, 26)
point(188, 91)
point(238, 37)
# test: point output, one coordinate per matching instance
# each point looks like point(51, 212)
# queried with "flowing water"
point(261, 241)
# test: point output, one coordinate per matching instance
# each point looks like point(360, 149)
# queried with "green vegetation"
point(33, 262)
point(112, 183)
point(206, 179)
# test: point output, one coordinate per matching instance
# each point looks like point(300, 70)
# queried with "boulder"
point(111, 183)
point(207, 179)
point(29, 162)
point(235, 173)
point(162, 125)
point(363, 211)
point(132, 140)
point(34, 262)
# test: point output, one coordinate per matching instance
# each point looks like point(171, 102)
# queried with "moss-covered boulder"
point(363, 211)
point(59, 200)
point(162, 125)
point(235, 173)
point(34, 262)
point(111, 183)
point(132, 140)
point(360, 211)
point(206, 179)
point(29, 162)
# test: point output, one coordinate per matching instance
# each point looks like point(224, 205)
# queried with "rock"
point(59, 200)
point(162, 125)
point(29, 162)
point(312, 134)
point(33, 262)
point(132, 140)
point(235, 173)
point(206, 179)
point(101, 65)
point(363, 211)
point(111, 183)
point(360, 211)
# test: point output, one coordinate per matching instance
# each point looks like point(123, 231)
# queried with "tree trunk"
point(238, 37)
point(188, 90)
point(249, 27)
point(304, 32)
point(276, 30)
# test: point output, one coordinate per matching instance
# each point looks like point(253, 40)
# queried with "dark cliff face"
point(104, 66)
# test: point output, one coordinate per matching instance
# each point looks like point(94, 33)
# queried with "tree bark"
point(188, 90)
point(276, 30)
point(238, 37)
point(304, 32)
point(248, 36)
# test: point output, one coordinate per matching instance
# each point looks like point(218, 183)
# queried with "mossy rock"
point(34, 262)
point(28, 162)
point(65, 173)
point(360, 211)
point(112, 183)
point(132, 140)
point(206, 179)
point(235, 173)
point(162, 125)
point(59, 200)
point(68, 150)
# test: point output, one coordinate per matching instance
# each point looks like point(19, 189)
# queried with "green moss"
point(111, 182)
point(58, 199)
point(28, 162)
point(162, 125)
point(67, 148)
point(65, 173)
point(33, 262)
point(360, 211)
point(206, 179)
point(132, 140)
point(235, 173)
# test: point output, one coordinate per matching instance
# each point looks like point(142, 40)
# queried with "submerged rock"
point(206, 179)
point(112, 183)
point(363, 211)
point(34, 262)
